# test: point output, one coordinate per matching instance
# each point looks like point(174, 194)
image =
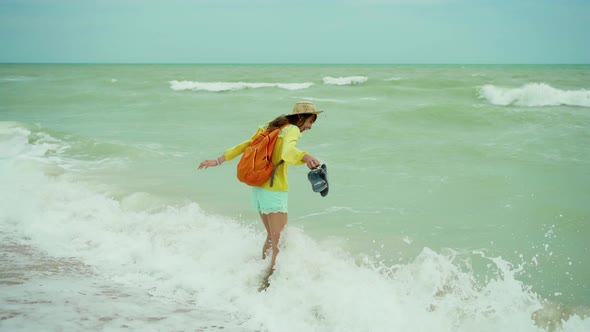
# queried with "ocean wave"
point(142, 246)
point(341, 101)
point(337, 101)
point(16, 78)
point(179, 257)
point(19, 143)
point(233, 86)
point(57, 153)
point(534, 94)
point(349, 80)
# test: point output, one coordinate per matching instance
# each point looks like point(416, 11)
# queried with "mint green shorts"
point(268, 201)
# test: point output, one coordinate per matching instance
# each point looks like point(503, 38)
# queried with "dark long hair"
point(294, 119)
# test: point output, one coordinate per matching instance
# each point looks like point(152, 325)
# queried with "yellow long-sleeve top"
point(285, 149)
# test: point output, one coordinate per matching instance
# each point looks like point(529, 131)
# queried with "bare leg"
point(267, 242)
point(276, 224)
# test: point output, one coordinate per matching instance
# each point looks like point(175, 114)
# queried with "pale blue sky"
point(295, 31)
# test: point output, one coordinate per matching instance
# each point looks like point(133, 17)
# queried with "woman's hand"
point(211, 163)
point(208, 163)
point(311, 161)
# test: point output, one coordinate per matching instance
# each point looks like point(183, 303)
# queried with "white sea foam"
point(234, 86)
point(146, 265)
point(534, 94)
point(20, 144)
point(349, 80)
point(393, 79)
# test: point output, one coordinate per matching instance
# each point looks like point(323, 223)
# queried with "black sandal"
point(319, 180)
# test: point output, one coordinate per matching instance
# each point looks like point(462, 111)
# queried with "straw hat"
point(305, 107)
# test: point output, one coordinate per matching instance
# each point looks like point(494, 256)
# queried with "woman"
point(271, 201)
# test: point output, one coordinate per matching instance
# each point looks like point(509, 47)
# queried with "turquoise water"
point(458, 196)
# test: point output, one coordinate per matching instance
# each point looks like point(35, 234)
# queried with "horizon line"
point(294, 63)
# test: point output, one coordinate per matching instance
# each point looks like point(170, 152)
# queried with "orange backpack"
point(256, 167)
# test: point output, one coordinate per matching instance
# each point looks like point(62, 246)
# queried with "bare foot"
point(265, 284)
point(265, 281)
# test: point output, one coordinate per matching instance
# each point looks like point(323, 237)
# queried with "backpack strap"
point(274, 169)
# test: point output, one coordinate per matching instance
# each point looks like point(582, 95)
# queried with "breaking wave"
point(233, 86)
point(534, 94)
point(350, 80)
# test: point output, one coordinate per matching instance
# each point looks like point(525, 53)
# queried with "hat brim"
point(316, 113)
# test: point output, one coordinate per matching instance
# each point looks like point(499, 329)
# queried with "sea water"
point(459, 199)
